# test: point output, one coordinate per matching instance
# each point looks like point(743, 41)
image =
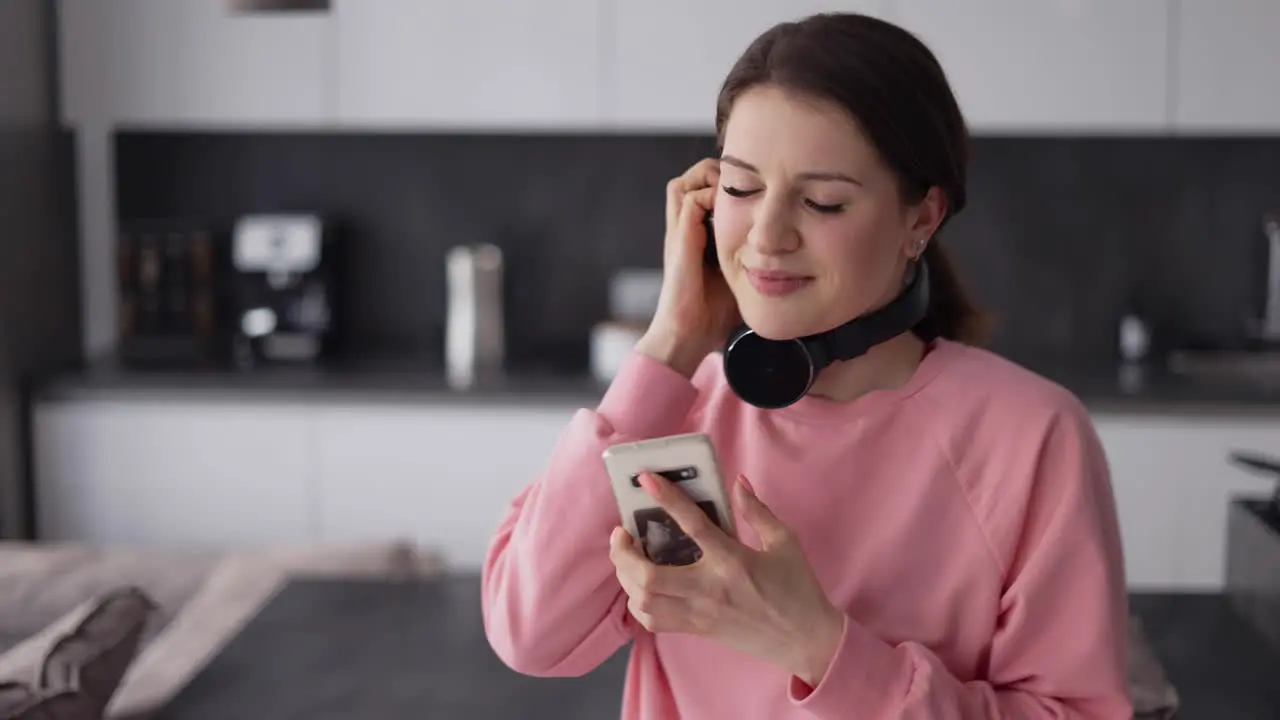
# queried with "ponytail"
point(952, 312)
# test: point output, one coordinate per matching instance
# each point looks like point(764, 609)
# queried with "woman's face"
point(809, 222)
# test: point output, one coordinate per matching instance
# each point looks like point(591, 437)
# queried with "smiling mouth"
point(775, 283)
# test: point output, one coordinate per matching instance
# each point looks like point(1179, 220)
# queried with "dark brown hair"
point(894, 88)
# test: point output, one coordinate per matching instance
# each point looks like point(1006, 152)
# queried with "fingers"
point(631, 564)
point(692, 519)
point(696, 204)
point(767, 525)
point(704, 173)
point(675, 199)
point(641, 580)
point(659, 613)
point(641, 576)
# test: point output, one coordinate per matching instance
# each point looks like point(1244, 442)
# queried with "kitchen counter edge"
point(1101, 392)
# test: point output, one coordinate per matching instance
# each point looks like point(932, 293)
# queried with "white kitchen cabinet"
point(206, 473)
point(1226, 57)
point(193, 63)
point(1147, 499)
point(1173, 484)
point(442, 475)
point(486, 64)
point(668, 58)
point(173, 474)
point(1069, 66)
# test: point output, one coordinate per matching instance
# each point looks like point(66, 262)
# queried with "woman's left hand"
point(766, 602)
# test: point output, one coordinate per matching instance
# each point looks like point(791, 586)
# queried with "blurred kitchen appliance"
point(1263, 465)
point(610, 345)
point(284, 283)
point(167, 279)
point(633, 299)
point(475, 334)
point(633, 294)
point(1252, 578)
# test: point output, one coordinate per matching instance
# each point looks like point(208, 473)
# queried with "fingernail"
point(647, 482)
point(746, 484)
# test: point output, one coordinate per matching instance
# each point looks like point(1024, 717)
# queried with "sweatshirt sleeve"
point(551, 603)
point(1058, 649)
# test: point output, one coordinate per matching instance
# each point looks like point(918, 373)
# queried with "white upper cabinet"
point(1227, 67)
point(192, 62)
point(444, 64)
point(668, 58)
point(1018, 67)
point(1049, 66)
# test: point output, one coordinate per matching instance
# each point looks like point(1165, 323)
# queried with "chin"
point(774, 323)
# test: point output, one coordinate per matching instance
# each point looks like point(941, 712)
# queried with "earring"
point(919, 247)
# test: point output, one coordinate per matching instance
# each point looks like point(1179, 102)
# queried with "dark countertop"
point(345, 649)
point(1102, 389)
point(1124, 390)
point(390, 380)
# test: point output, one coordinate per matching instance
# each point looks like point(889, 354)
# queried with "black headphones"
point(773, 374)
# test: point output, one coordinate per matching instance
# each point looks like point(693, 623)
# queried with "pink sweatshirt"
point(964, 523)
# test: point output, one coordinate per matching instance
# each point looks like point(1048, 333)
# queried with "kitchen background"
point(1125, 156)
point(1063, 235)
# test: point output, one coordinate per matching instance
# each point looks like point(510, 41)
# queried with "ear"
point(923, 220)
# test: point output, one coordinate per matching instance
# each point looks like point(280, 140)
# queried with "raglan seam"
point(954, 472)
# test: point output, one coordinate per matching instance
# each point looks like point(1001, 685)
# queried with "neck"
point(886, 366)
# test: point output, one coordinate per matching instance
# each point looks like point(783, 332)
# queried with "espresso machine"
point(283, 281)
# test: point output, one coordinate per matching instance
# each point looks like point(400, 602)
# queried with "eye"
point(826, 209)
point(736, 192)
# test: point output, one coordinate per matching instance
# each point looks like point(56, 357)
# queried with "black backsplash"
point(1060, 233)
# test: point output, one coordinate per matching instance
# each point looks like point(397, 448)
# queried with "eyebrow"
point(738, 162)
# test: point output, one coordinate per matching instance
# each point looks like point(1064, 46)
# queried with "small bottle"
point(1135, 338)
point(474, 322)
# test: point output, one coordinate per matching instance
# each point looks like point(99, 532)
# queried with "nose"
point(772, 233)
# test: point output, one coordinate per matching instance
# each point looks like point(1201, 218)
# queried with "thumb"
point(767, 525)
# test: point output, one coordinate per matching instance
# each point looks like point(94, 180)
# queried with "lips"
point(776, 283)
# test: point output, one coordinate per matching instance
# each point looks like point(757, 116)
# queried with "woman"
point(929, 533)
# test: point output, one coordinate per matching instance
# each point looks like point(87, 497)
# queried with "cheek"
point(859, 259)
point(855, 244)
point(731, 225)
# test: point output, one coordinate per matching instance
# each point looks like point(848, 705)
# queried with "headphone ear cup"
point(769, 374)
point(737, 333)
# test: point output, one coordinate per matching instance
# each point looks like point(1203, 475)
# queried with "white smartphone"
point(689, 461)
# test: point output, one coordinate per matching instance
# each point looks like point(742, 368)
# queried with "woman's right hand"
point(696, 311)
